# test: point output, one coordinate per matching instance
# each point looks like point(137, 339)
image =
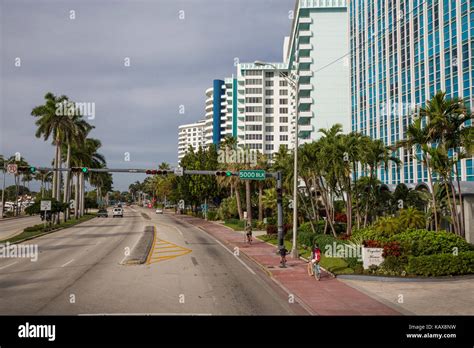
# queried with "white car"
point(159, 211)
point(117, 212)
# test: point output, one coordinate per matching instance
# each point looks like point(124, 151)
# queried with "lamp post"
point(294, 84)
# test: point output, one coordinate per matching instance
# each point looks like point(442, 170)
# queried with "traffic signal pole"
point(276, 175)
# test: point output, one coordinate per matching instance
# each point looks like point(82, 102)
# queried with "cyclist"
point(315, 259)
point(248, 230)
point(283, 252)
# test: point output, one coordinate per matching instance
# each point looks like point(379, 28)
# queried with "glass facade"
point(402, 53)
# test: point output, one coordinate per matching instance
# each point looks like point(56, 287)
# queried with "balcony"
point(305, 20)
point(306, 87)
point(209, 91)
point(305, 114)
point(305, 60)
point(306, 100)
point(305, 128)
point(307, 47)
point(305, 33)
point(305, 73)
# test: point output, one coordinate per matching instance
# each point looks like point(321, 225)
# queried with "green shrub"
point(324, 240)
point(387, 226)
point(424, 242)
point(353, 262)
point(306, 227)
point(212, 215)
point(441, 264)
point(394, 264)
point(368, 233)
point(34, 228)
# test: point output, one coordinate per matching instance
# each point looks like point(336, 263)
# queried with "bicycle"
point(248, 238)
point(316, 270)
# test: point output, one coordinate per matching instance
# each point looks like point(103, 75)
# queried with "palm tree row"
point(69, 135)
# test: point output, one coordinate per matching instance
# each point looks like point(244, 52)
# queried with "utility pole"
point(279, 210)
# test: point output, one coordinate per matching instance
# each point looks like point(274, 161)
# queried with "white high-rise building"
point(317, 54)
point(191, 134)
point(264, 110)
point(219, 114)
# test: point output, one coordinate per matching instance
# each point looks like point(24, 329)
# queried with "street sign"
point(252, 174)
point(179, 171)
point(12, 168)
point(45, 206)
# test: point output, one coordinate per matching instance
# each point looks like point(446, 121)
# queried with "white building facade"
point(191, 134)
point(317, 55)
point(264, 109)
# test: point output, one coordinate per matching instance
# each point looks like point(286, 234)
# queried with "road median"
point(141, 252)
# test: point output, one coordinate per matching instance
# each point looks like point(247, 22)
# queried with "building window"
point(283, 137)
point(269, 92)
point(269, 110)
point(269, 74)
point(268, 83)
point(283, 128)
point(269, 129)
point(268, 101)
point(283, 101)
point(283, 110)
point(283, 92)
point(283, 119)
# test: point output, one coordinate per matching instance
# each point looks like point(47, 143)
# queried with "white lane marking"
point(177, 229)
point(67, 263)
point(11, 264)
point(230, 251)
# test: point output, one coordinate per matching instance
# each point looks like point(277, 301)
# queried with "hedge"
point(423, 242)
point(441, 264)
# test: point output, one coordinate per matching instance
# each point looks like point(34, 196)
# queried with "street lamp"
point(294, 84)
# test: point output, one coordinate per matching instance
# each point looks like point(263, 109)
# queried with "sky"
point(80, 49)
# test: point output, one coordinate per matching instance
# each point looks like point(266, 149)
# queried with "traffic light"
point(224, 173)
point(84, 169)
point(157, 172)
point(32, 170)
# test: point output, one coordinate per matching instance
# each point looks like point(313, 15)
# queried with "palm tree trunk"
point(76, 197)
point(239, 202)
point(260, 202)
point(450, 207)
point(67, 183)
point(433, 196)
point(461, 204)
point(248, 201)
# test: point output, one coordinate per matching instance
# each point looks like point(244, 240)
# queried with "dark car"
point(102, 213)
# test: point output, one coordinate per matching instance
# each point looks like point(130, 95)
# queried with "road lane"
point(79, 272)
point(12, 227)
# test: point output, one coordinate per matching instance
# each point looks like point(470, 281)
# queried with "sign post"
point(252, 174)
point(12, 168)
point(45, 206)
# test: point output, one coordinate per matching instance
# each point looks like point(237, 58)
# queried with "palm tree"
point(262, 163)
point(412, 218)
point(85, 155)
point(230, 144)
point(448, 118)
point(420, 138)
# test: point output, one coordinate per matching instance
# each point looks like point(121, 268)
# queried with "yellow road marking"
point(163, 250)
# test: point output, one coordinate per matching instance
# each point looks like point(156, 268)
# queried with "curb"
point(300, 301)
point(363, 277)
point(142, 250)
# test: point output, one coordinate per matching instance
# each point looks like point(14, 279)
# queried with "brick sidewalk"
point(329, 296)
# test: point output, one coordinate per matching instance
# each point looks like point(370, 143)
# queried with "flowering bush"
point(392, 249)
point(372, 244)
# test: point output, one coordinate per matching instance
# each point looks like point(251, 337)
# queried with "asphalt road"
point(11, 227)
point(79, 271)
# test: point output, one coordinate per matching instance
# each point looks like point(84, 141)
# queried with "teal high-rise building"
point(402, 53)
